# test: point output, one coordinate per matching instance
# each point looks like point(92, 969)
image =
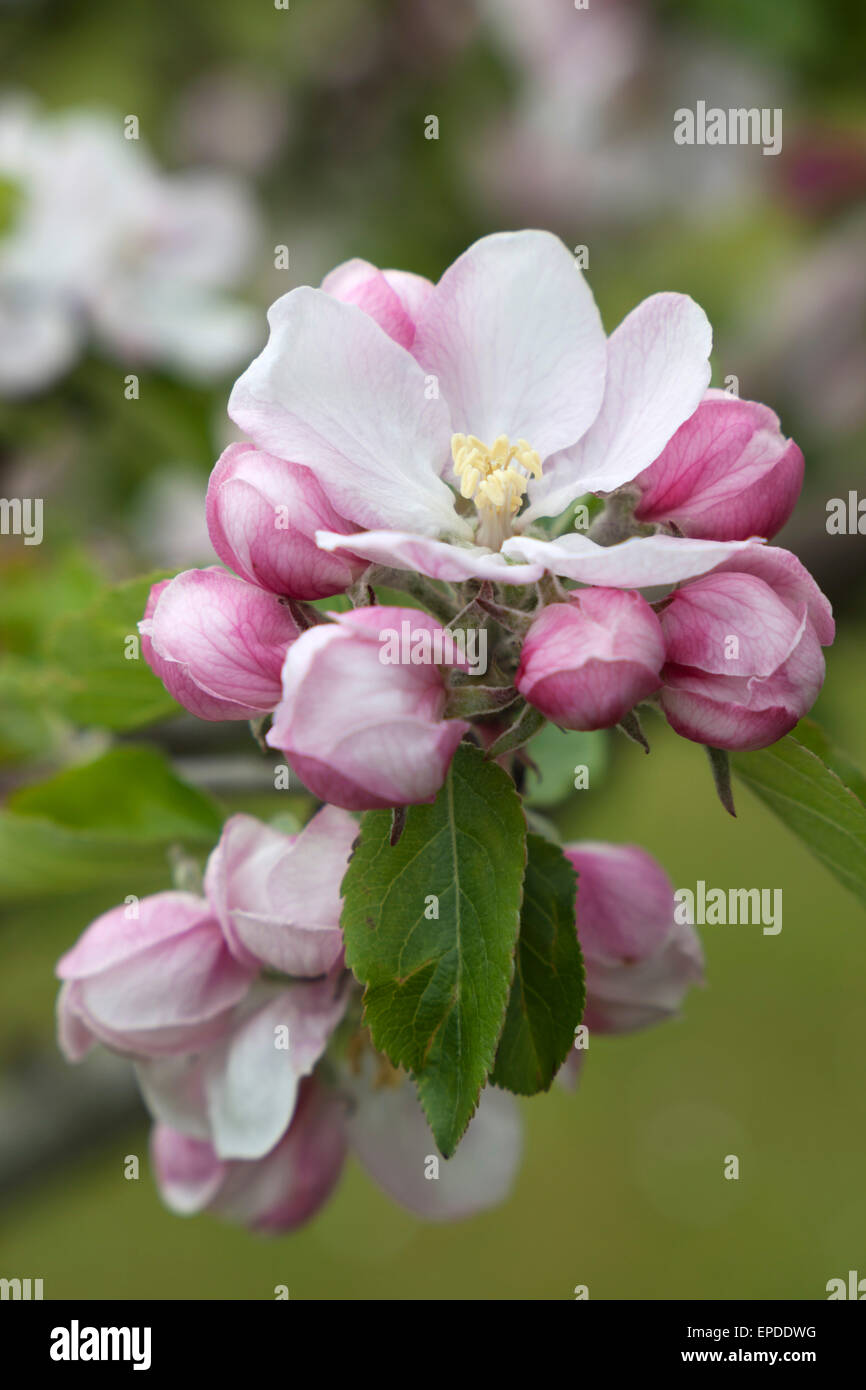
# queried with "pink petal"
point(226, 636)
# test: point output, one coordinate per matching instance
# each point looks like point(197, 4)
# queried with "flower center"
point(496, 480)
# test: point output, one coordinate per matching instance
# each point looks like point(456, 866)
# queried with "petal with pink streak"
point(727, 474)
point(623, 996)
point(278, 897)
point(790, 579)
point(333, 392)
point(625, 900)
point(188, 1172)
point(639, 563)
point(251, 1083)
point(361, 733)
point(703, 616)
point(262, 515)
point(657, 372)
point(173, 675)
point(226, 636)
point(359, 282)
point(282, 1190)
point(436, 559)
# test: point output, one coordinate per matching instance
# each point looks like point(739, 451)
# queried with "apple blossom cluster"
point(423, 435)
point(245, 1028)
point(444, 443)
point(147, 278)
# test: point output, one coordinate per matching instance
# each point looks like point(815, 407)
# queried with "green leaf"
point(548, 993)
point(810, 733)
point(108, 822)
point(437, 987)
point(523, 727)
point(131, 791)
point(813, 802)
point(557, 754)
point(100, 684)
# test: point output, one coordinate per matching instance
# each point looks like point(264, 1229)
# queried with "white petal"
point(333, 392)
point(251, 1082)
point(657, 372)
point(436, 559)
point(512, 333)
point(638, 563)
point(392, 1139)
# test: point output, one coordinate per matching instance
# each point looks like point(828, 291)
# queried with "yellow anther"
point(496, 478)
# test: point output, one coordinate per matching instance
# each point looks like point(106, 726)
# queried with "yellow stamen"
point(496, 478)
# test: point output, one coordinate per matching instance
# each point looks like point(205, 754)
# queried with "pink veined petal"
point(657, 372)
point(277, 896)
point(512, 334)
point(436, 559)
point(789, 578)
point(334, 393)
point(625, 900)
point(74, 1038)
point(187, 980)
point(639, 563)
point(119, 935)
point(414, 290)
point(704, 615)
point(359, 282)
point(285, 1188)
point(226, 635)
point(728, 473)
point(187, 1170)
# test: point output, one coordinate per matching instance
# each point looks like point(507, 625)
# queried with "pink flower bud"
point(727, 474)
point(277, 896)
point(360, 731)
point(639, 961)
point(394, 298)
point(263, 514)
point(217, 643)
point(743, 650)
point(587, 662)
point(278, 1192)
point(153, 978)
point(241, 1091)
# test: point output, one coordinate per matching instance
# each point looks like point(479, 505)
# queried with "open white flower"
point(497, 401)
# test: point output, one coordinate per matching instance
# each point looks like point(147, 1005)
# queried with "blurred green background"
point(319, 111)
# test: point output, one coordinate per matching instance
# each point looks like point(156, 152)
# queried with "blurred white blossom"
point(97, 240)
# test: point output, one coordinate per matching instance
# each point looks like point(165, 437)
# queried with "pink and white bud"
point(217, 643)
point(153, 978)
point(727, 474)
point(743, 650)
point(639, 960)
point(360, 731)
point(587, 662)
point(275, 1193)
point(241, 1092)
point(394, 298)
point(277, 897)
point(263, 514)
